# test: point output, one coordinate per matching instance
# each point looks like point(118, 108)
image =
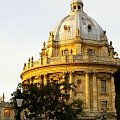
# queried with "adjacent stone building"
point(6, 111)
point(78, 51)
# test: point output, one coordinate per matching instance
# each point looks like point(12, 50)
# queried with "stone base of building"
point(98, 116)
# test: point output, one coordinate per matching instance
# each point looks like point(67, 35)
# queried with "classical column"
point(71, 81)
point(64, 77)
point(113, 94)
point(31, 80)
point(40, 79)
point(87, 92)
point(94, 93)
point(71, 77)
point(45, 79)
point(36, 79)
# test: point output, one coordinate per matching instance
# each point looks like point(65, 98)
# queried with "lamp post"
point(19, 100)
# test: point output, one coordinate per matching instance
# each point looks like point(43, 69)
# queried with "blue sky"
point(25, 25)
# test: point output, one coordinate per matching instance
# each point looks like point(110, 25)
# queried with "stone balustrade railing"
point(72, 59)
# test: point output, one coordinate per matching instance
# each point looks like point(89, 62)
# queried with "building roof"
point(80, 1)
point(78, 22)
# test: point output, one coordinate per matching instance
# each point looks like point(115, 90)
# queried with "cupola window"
point(66, 28)
point(74, 7)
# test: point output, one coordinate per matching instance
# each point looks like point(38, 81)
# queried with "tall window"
point(104, 104)
point(7, 113)
point(103, 86)
point(78, 86)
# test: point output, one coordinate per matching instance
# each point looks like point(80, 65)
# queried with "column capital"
point(87, 72)
point(94, 72)
point(71, 72)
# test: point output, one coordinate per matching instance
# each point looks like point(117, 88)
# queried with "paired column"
point(113, 93)
point(45, 79)
point(32, 80)
point(71, 81)
point(41, 79)
point(63, 77)
point(36, 79)
point(87, 91)
point(95, 101)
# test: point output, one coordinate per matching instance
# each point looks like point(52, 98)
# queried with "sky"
point(25, 25)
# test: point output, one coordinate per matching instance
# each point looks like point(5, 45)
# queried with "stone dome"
point(78, 22)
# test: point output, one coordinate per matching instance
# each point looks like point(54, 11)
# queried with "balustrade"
point(74, 59)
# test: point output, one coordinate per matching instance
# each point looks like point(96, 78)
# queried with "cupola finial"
point(76, 6)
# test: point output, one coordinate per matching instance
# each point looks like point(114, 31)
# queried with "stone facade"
point(6, 111)
point(78, 51)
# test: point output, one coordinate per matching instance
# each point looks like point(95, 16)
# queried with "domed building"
point(78, 51)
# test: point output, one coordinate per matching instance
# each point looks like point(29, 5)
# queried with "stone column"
point(113, 94)
point(36, 78)
point(94, 93)
point(71, 81)
point(63, 77)
point(31, 80)
point(71, 77)
point(45, 79)
point(87, 89)
point(40, 79)
point(78, 49)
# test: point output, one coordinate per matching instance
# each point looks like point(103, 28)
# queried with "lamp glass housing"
point(19, 102)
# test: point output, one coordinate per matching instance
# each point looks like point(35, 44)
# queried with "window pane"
point(104, 104)
point(103, 86)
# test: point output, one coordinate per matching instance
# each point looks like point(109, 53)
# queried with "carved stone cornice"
point(104, 75)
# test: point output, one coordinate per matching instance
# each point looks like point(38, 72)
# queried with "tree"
point(33, 100)
point(51, 101)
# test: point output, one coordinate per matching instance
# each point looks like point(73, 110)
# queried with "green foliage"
point(51, 101)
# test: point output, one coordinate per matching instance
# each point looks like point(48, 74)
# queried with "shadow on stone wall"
point(116, 76)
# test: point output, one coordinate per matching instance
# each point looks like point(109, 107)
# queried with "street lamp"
point(19, 100)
